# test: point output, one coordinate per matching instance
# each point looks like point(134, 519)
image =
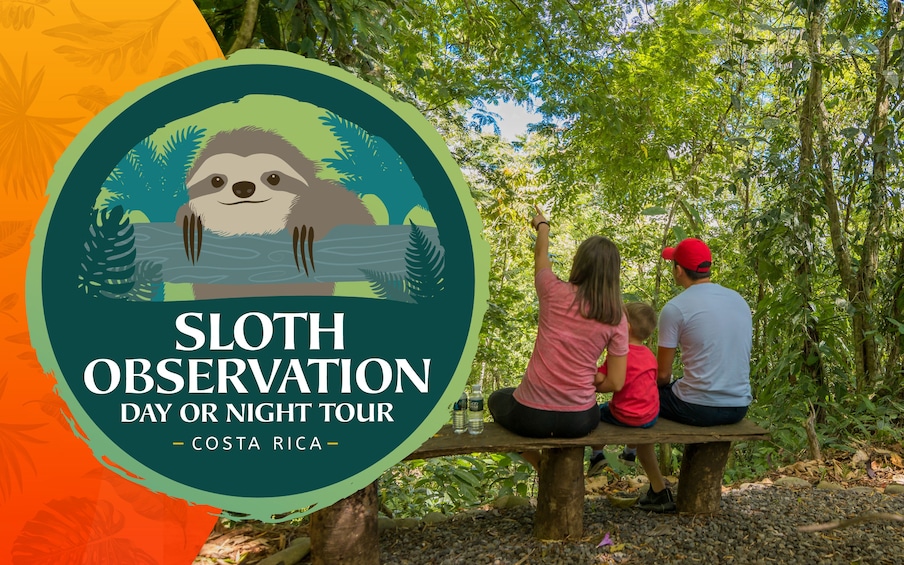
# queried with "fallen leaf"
point(660, 530)
point(859, 457)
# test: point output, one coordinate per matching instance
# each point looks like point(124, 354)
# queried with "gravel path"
point(757, 524)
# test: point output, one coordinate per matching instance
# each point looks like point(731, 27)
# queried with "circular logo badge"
point(258, 283)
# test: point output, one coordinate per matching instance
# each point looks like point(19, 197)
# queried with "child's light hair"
point(642, 318)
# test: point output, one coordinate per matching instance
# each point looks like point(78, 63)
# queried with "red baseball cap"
point(690, 253)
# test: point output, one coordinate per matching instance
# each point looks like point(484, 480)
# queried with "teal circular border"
point(105, 124)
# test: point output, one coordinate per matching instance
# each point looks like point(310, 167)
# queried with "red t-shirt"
point(637, 403)
point(559, 375)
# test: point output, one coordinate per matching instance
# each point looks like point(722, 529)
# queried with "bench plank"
point(496, 439)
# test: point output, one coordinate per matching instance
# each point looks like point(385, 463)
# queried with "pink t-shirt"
point(637, 403)
point(559, 375)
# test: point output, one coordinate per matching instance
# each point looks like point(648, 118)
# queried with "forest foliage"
point(768, 128)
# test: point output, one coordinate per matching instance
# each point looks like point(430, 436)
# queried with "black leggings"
point(531, 422)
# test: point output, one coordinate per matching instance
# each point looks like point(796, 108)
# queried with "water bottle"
point(475, 410)
point(459, 418)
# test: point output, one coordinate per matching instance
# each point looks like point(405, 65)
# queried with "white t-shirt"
point(713, 328)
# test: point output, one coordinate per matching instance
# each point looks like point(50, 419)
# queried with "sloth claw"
point(191, 226)
point(300, 236)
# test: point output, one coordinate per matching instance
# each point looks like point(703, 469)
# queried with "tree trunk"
point(810, 117)
point(346, 532)
point(560, 502)
point(246, 31)
point(894, 376)
point(882, 134)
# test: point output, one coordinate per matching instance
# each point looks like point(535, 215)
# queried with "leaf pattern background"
point(93, 98)
point(28, 355)
point(13, 236)
point(51, 503)
point(110, 44)
point(29, 144)
point(20, 14)
point(194, 51)
point(7, 303)
point(149, 504)
point(14, 454)
point(57, 536)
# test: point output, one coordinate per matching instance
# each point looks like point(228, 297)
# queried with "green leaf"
point(654, 211)
point(466, 477)
point(870, 46)
point(285, 5)
point(269, 28)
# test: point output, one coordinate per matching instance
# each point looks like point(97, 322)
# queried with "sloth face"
point(244, 195)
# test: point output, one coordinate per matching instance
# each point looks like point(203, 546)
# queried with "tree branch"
point(861, 519)
point(246, 30)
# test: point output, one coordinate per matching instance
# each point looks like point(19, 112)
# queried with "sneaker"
point(657, 501)
point(597, 464)
point(628, 455)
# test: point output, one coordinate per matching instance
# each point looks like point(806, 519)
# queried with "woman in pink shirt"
point(579, 319)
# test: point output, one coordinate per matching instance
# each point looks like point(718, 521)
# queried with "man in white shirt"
point(712, 326)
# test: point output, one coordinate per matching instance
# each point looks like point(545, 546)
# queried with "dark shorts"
point(607, 416)
point(677, 410)
point(531, 422)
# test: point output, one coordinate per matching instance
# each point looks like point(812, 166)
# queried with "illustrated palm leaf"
point(178, 153)
point(112, 44)
point(14, 455)
point(76, 530)
point(29, 144)
point(109, 262)
point(147, 283)
point(388, 286)
point(93, 98)
point(153, 180)
point(369, 165)
point(194, 51)
point(13, 236)
point(425, 263)
point(145, 502)
point(18, 15)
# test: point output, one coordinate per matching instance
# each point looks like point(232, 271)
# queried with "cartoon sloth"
point(251, 181)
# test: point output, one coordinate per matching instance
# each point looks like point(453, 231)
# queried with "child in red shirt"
point(635, 402)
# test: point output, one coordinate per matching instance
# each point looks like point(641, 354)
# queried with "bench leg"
point(346, 532)
point(700, 481)
point(560, 497)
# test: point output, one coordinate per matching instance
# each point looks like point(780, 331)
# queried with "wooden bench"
point(560, 494)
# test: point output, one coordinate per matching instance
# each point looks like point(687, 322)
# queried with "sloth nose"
point(243, 189)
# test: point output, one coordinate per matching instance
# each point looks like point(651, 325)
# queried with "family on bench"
point(584, 316)
point(552, 415)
